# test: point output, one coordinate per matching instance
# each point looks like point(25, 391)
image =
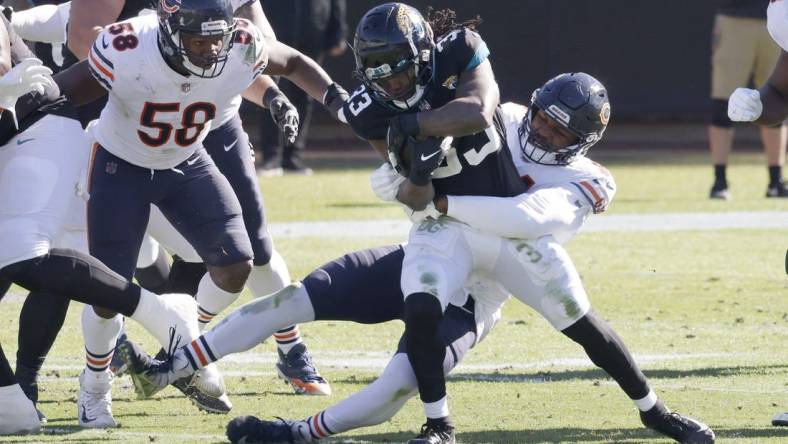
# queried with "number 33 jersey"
point(155, 117)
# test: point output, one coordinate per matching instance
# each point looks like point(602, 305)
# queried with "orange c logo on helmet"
point(170, 6)
point(604, 114)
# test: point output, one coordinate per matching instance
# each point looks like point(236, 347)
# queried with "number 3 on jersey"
point(189, 121)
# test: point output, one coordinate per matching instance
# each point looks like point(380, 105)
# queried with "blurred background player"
point(314, 27)
point(742, 51)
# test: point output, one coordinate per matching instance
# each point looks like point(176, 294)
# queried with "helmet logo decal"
point(170, 6)
point(403, 19)
point(604, 114)
point(451, 82)
point(558, 113)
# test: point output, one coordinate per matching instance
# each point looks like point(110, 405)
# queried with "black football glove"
point(401, 127)
point(426, 155)
point(283, 112)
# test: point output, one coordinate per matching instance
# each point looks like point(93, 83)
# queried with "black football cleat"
point(434, 435)
point(679, 427)
point(720, 191)
point(249, 429)
point(779, 190)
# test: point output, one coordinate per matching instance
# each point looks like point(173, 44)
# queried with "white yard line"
point(613, 222)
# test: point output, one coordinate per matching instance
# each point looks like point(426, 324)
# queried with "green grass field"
point(704, 312)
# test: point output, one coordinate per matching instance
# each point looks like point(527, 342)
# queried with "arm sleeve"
point(526, 216)
point(45, 23)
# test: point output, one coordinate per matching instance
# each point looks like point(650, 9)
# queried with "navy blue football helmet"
point(198, 18)
point(391, 39)
point(579, 103)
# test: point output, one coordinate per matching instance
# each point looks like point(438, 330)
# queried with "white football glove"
point(29, 75)
point(385, 182)
point(430, 212)
point(745, 105)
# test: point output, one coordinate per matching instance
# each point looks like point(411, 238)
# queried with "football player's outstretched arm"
point(253, 12)
point(5, 51)
point(78, 84)
point(298, 68)
point(472, 109)
point(774, 95)
point(86, 20)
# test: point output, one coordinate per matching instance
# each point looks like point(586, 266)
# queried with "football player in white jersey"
point(192, 52)
point(32, 216)
point(768, 105)
point(516, 241)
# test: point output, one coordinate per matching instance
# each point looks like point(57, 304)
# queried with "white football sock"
point(647, 402)
point(100, 335)
point(287, 338)
point(212, 299)
point(268, 278)
point(253, 322)
point(437, 409)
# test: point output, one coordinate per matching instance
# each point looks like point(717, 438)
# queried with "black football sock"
point(185, 276)
point(40, 322)
point(424, 346)
point(73, 275)
point(775, 175)
point(6, 375)
point(719, 175)
point(154, 277)
point(608, 352)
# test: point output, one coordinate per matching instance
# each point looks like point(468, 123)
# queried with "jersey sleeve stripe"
point(481, 54)
point(100, 79)
point(101, 56)
point(97, 66)
point(584, 193)
point(597, 197)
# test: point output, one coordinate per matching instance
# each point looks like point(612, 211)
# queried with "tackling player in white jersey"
point(515, 241)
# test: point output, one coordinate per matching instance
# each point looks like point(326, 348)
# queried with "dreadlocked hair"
point(442, 21)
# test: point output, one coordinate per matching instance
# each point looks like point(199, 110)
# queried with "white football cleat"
point(209, 381)
point(94, 406)
point(18, 415)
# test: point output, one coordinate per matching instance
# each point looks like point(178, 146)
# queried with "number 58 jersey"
point(155, 117)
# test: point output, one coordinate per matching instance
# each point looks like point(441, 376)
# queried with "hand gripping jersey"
point(777, 22)
point(478, 164)
point(155, 117)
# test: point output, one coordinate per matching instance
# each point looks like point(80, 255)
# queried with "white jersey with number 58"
point(155, 117)
point(777, 22)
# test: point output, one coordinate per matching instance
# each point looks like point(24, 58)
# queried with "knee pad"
point(719, 114)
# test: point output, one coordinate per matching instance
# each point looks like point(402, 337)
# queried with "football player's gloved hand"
point(385, 182)
point(401, 127)
point(430, 212)
point(334, 98)
point(426, 156)
point(283, 112)
point(29, 75)
point(744, 105)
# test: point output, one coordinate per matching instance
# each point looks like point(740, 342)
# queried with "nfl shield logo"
point(186, 87)
point(111, 168)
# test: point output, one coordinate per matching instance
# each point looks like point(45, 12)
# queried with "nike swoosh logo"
point(85, 415)
point(230, 146)
point(191, 161)
point(104, 43)
point(21, 141)
point(423, 157)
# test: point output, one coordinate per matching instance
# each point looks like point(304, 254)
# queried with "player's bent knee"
point(231, 278)
point(422, 311)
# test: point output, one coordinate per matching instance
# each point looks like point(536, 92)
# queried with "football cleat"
point(148, 375)
point(27, 377)
point(681, 428)
point(297, 369)
point(720, 191)
point(18, 415)
point(94, 406)
point(117, 366)
point(206, 390)
point(249, 429)
point(434, 435)
point(779, 190)
point(780, 420)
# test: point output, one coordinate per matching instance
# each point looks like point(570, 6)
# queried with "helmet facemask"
point(177, 41)
point(418, 70)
